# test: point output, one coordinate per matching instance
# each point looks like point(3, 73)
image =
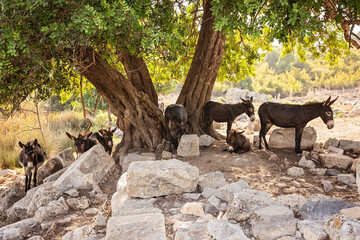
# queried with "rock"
point(132, 206)
point(192, 231)
point(100, 221)
point(144, 227)
point(323, 209)
point(211, 209)
point(59, 220)
point(220, 229)
point(54, 208)
point(343, 227)
point(335, 160)
point(18, 230)
point(318, 147)
point(285, 179)
point(349, 145)
point(49, 168)
point(91, 211)
point(191, 196)
point(355, 111)
point(328, 186)
point(332, 142)
point(212, 180)
point(353, 212)
point(5, 172)
point(206, 140)
point(228, 191)
point(358, 177)
point(55, 176)
point(84, 232)
point(295, 171)
point(133, 157)
point(9, 197)
point(246, 202)
point(43, 197)
point(158, 178)
point(273, 222)
point(218, 203)
point(318, 171)
point(355, 164)
point(332, 172)
point(336, 150)
point(235, 94)
point(208, 192)
point(312, 230)
point(72, 193)
point(166, 155)
point(36, 238)
point(66, 157)
point(347, 179)
point(293, 201)
point(256, 139)
point(193, 208)
point(88, 170)
point(188, 146)
point(285, 138)
point(306, 163)
point(78, 203)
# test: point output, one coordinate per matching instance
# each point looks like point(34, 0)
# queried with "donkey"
point(175, 120)
point(105, 138)
point(82, 142)
point(293, 116)
point(238, 142)
point(31, 156)
point(219, 112)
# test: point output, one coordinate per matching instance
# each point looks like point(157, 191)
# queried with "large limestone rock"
point(9, 197)
point(293, 201)
point(348, 145)
point(88, 170)
point(312, 230)
point(189, 146)
point(157, 178)
point(43, 197)
point(54, 208)
point(66, 157)
point(192, 231)
point(49, 168)
point(273, 222)
point(336, 160)
point(144, 227)
point(343, 227)
point(18, 230)
point(212, 180)
point(84, 232)
point(285, 138)
point(206, 140)
point(133, 157)
point(246, 202)
point(220, 229)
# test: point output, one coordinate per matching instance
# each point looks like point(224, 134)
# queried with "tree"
point(47, 46)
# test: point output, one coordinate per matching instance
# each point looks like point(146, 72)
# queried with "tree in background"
point(122, 47)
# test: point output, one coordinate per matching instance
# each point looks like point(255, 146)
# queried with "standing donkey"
point(32, 156)
point(82, 142)
point(105, 138)
point(219, 112)
point(293, 116)
point(175, 120)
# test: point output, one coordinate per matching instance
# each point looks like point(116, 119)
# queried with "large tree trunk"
point(203, 71)
point(138, 115)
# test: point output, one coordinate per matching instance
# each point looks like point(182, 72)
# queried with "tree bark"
point(139, 117)
point(203, 71)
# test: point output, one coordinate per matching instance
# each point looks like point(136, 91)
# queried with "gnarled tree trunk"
point(134, 103)
point(203, 71)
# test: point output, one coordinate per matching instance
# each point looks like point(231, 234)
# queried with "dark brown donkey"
point(238, 142)
point(31, 157)
point(82, 142)
point(175, 120)
point(105, 138)
point(293, 116)
point(219, 112)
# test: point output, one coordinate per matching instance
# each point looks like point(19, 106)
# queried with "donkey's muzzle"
point(330, 124)
point(252, 117)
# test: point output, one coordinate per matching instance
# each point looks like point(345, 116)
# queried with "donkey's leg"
point(229, 124)
point(267, 127)
point(29, 182)
point(26, 180)
point(298, 136)
point(176, 138)
point(35, 173)
point(261, 134)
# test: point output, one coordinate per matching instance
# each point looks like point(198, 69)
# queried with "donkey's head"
point(249, 108)
point(108, 136)
point(326, 113)
point(28, 154)
point(79, 142)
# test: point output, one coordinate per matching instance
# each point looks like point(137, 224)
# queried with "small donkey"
point(82, 142)
point(105, 138)
point(175, 120)
point(238, 142)
point(32, 156)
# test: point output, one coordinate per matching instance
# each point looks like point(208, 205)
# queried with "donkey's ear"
point(326, 103)
point(242, 99)
point(35, 142)
point(112, 131)
point(21, 145)
point(251, 99)
point(333, 101)
point(70, 136)
point(86, 136)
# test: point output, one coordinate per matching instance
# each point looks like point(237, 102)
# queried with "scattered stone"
point(332, 142)
point(306, 163)
point(332, 172)
point(227, 192)
point(134, 157)
point(335, 160)
point(285, 138)
point(166, 155)
point(125, 206)
point(349, 145)
point(55, 176)
point(18, 230)
point(342, 227)
point(211, 209)
point(312, 230)
point(206, 140)
point(157, 178)
point(9, 197)
point(318, 171)
point(323, 209)
point(193, 208)
point(188, 146)
point(5, 172)
point(355, 164)
point(293, 201)
point(305, 154)
point(36, 238)
point(192, 196)
point(100, 221)
point(49, 168)
point(347, 179)
point(273, 222)
point(43, 197)
point(88, 170)
point(59, 220)
point(91, 211)
point(72, 193)
point(328, 186)
point(353, 212)
point(285, 179)
point(336, 150)
point(295, 171)
point(208, 192)
point(54, 208)
point(212, 180)
point(290, 190)
point(66, 157)
point(358, 177)
point(144, 227)
point(220, 229)
point(78, 203)
point(192, 231)
point(84, 232)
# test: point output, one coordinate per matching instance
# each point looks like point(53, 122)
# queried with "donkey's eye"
point(328, 113)
point(250, 110)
